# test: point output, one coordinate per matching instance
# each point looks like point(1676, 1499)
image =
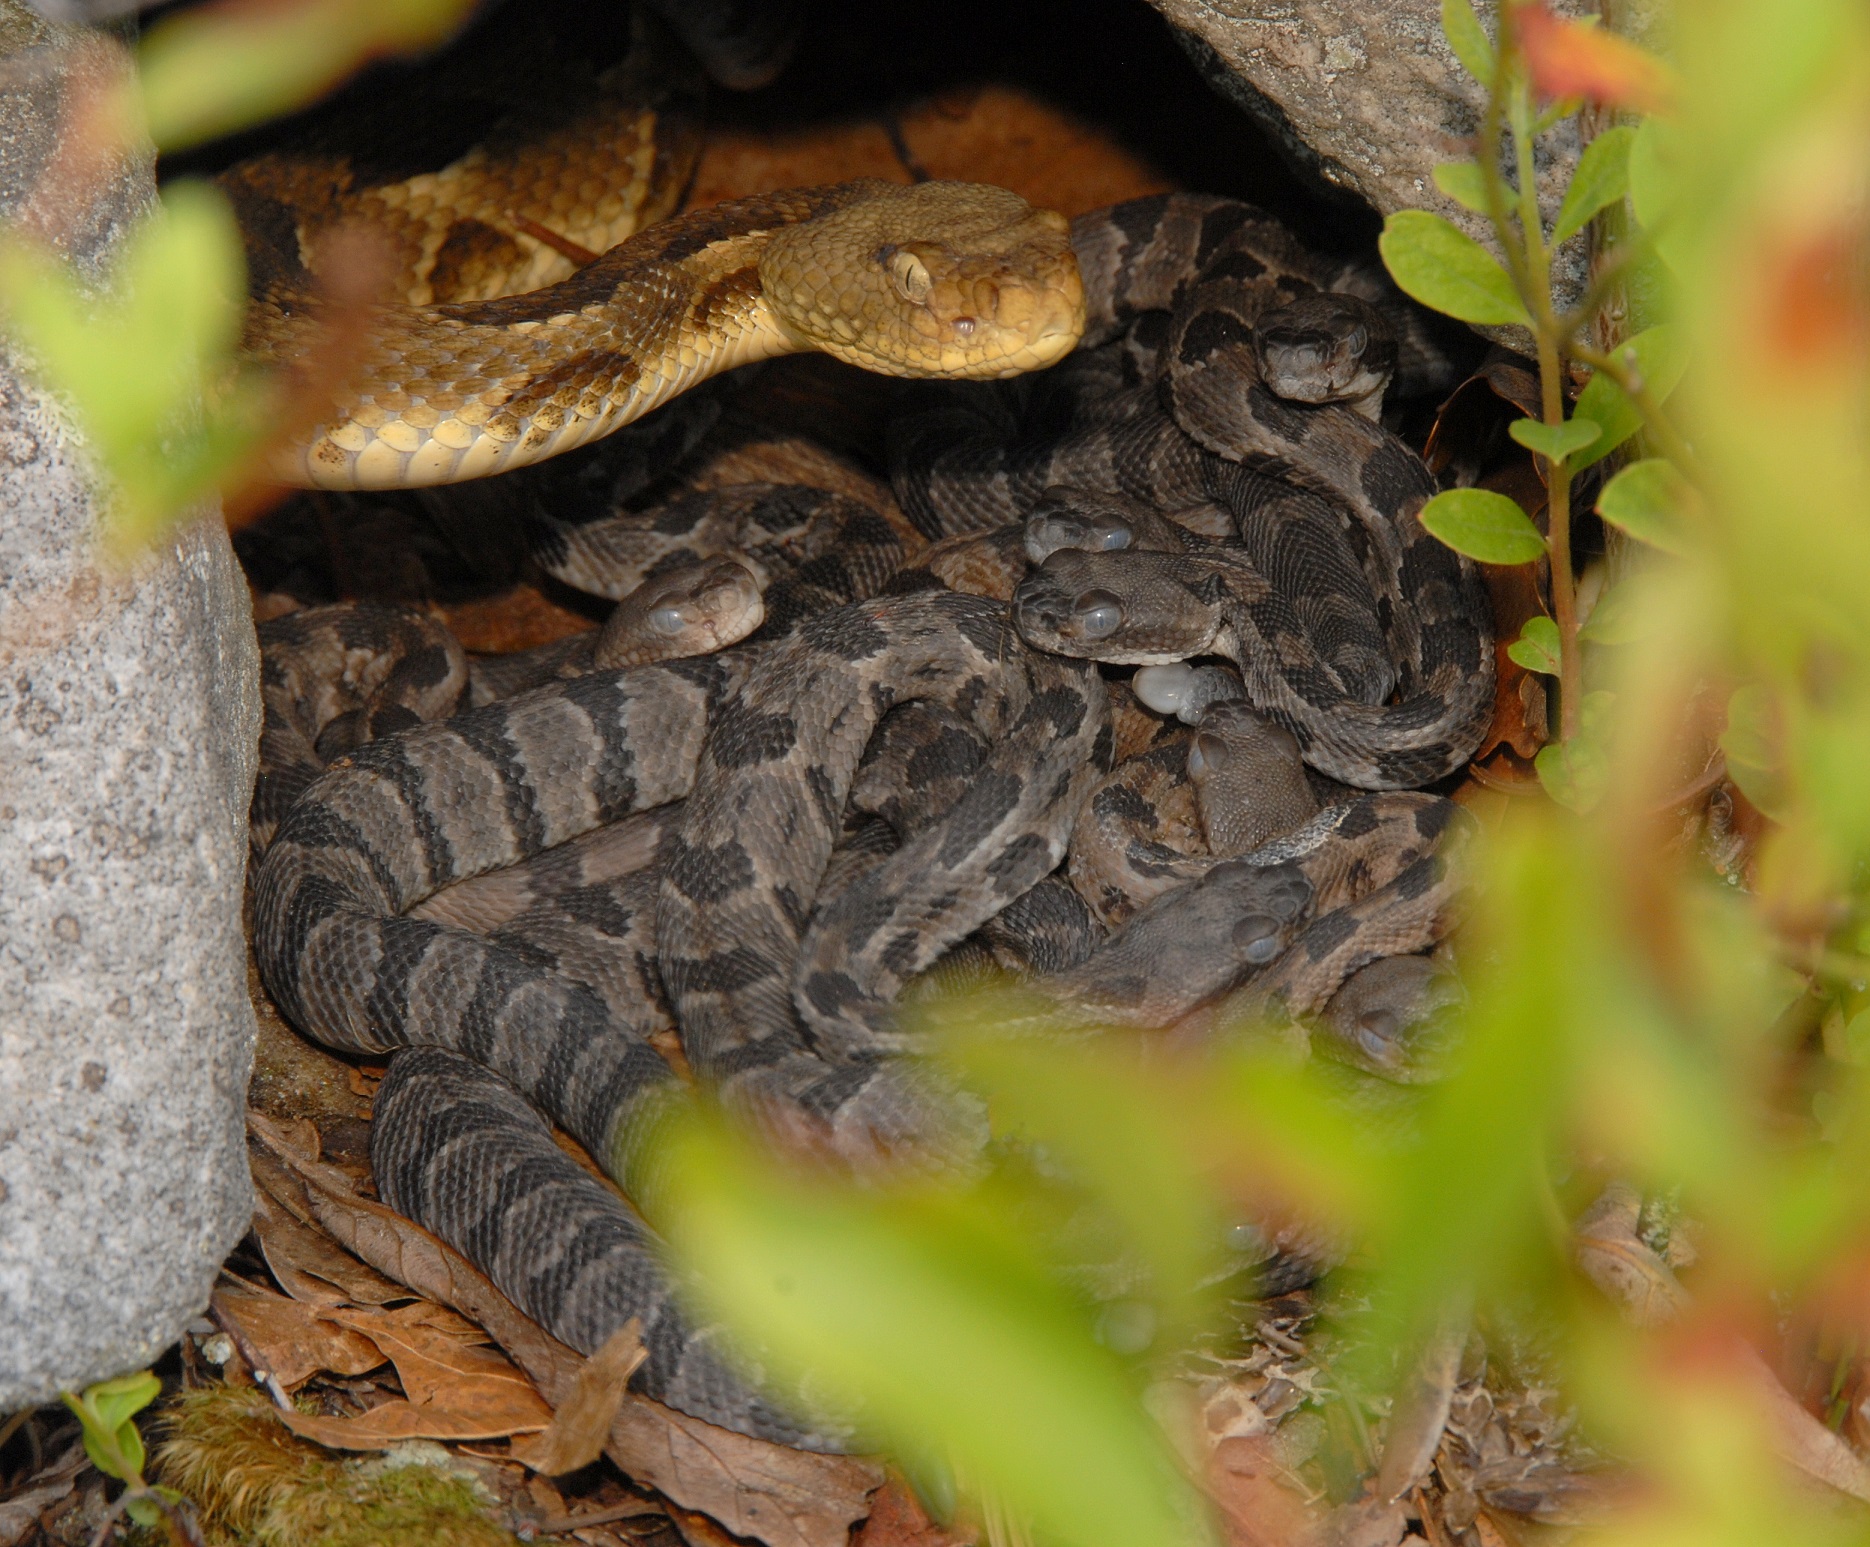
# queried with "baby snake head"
point(1124, 607)
point(939, 279)
point(1325, 348)
point(1249, 779)
point(1261, 906)
point(1060, 520)
point(694, 610)
point(1097, 522)
point(1397, 1018)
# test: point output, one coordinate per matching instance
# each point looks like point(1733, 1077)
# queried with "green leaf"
point(930, 1315)
point(118, 1398)
point(1647, 500)
point(1463, 182)
point(107, 1412)
point(204, 73)
point(1660, 358)
point(1615, 619)
point(1857, 1037)
point(1468, 39)
point(1576, 773)
point(1751, 745)
point(1646, 171)
point(1447, 270)
point(1554, 442)
point(136, 363)
point(1602, 178)
point(145, 1511)
point(1483, 525)
point(1537, 646)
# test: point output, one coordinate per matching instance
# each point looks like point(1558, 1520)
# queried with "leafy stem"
point(1510, 285)
point(107, 1413)
point(1529, 262)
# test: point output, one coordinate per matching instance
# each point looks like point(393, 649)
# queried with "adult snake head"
point(938, 279)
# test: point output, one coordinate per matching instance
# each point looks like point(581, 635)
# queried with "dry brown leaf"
point(452, 1391)
point(437, 1369)
point(19, 1515)
point(1490, 1534)
point(519, 619)
point(1613, 1257)
point(1800, 1438)
point(581, 1423)
point(786, 1498)
point(1369, 1522)
point(1514, 597)
point(309, 1265)
point(1259, 1501)
point(897, 1519)
point(450, 1323)
point(1420, 1412)
point(295, 1340)
point(1470, 426)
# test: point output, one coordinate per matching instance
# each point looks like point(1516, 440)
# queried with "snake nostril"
point(1099, 614)
point(1257, 937)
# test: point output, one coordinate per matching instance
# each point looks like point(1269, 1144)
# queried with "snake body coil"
point(757, 850)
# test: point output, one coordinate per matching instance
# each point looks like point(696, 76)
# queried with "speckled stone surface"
point(129, 719)
point(1367, 95)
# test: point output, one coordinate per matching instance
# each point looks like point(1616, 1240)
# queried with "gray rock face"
point(1367, 95)
point(129, 719)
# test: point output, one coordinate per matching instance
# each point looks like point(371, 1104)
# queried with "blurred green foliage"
point(137, 364)
point(214, 69)
point(146, 370)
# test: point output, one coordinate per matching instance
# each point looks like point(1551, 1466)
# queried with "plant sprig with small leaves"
point(107, 1412)
point(1541, 57)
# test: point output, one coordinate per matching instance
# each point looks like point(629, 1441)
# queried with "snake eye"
point(1358, 338)
point(1376, 1034)
point(667, 620)
point(963, 326)
point(908, 273)
point(1115, 537)
point(1207, 754)
point(1099, 614)
point(1257, 938)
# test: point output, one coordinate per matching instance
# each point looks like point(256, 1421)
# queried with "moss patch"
point(258, 1485)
